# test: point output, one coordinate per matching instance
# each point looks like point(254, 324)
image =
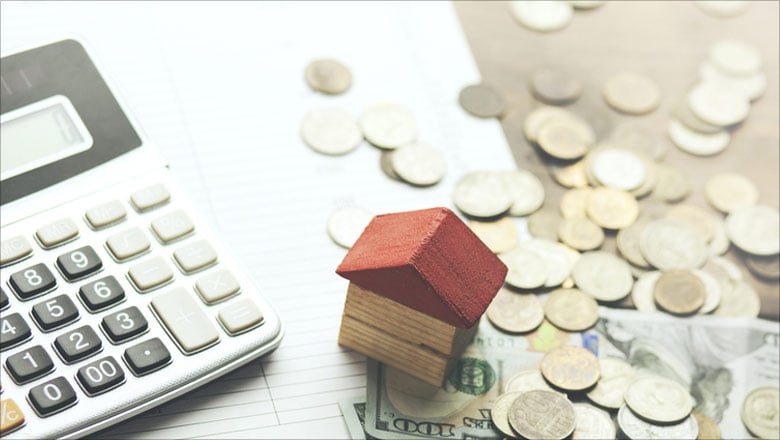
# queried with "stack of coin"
point(657, 407)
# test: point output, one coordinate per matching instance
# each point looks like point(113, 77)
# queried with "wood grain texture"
point(664, 40)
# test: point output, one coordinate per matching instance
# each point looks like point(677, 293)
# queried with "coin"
point(752, 86)
point(499, 414)
point(592, 423)
point(708, 429)
point(679, 292)
point(499, 236)
point(387, 125)
point(574, 202)
point(668, 245)
point(525, 190)
point(672, 184)
point(612, 208)
point(420, 165)
point(580, 233)
point(755, 229)
point(571, 310)
point(330, 131)
point(711, 291)
point(515, 312)
point(482, 100)
point(729, 191)
point(684, 114)
point(482, 194)
point(739, 300)
point(527, 269)
point(640, 138)
point(386, 165)
point(718, 105)
point(618, 168)
point(554, 86)
point(544, 224)
point(764, 267)
point(570, 368)
point(570, 175)
point(628, 243)
point(723, 8)
point(699, 144)
point(720, 243)
point(603, 276)
point(761, 412)
point(556, 259)
point(526, 380)
point(542, 16)
point(616, 375)
point(735, 57)
point(658, 399)
point(642, 292)
point(542, 414)
point(632, 93)
point(328, 76)
point(537, 117)
point(637, 429)
point(696, 218)
point(562, 139)
point(346, 224)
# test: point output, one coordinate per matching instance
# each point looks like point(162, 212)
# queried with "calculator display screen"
point(39, 134)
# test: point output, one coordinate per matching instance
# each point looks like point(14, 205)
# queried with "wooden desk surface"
point(664, 40)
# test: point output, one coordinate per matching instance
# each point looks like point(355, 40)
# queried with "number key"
point(78, 344)
point(11, 416)
point(52, 396)
point(79, 263)
point(101, 294)
point(13, 331)
point(54, 312)
point(124, 324)
point(29, 364)
point(100, 376)
point(148, 356)
point(32, 281)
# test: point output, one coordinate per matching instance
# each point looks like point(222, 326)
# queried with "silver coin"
point(388, 125)
point(682, 112)
point(419, 165)
point(640, 138)
point(642, 292)
point(711, 291)
point(735, 57)
point(728, 191)
point(755, 229)
point(542, 16)
point(738, 299)
point(751, 86)
point(699, 144)
point(658, 399)
point(330, 131)
point(723, 8)
point(386, 165)
point(632, 93)
point(527, 268)
point(718, 105)
point(556, 259)
point(555, 87)
point(345, 225)
point(761, 411)
point(628, 243)
point(637, 429)
point(526, 380)
point(482, 100)
point(592, 423)
point(618, 168)
point(482, 194)
point(328, 76)
point(720, 243)
point(542, 414)
point(616, 375)
point(539, 116)
point(525, 190)
point(499, 414)
point(668, 245)
point(672, 183)
point(603, 276)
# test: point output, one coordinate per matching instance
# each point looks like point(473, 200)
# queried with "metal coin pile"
point(548, 16)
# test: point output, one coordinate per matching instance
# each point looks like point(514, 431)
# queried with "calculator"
point(116, 294)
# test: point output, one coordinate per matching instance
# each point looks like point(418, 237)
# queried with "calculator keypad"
point(11, 416)
point(184, 320)
point(79, 263)
point(14, 249)
point(124, 324)
point(195, 256)
point(106, 214)
point(150, 274)
point(54, 312)
point(52, 396)
point(78, 344)
point(146, 357)
point(13, 331)
point(100, 376)
point(57, 233)
point(30, 282)
point(128, 244)
point(29, 364)
point(101, 294)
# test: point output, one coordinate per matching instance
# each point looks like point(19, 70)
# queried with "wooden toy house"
point(419, 283)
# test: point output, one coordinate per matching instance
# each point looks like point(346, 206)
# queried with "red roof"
point(428, 260)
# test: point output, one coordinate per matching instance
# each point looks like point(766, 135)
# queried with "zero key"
point(11, 417)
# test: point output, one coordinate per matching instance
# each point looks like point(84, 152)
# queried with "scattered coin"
point(603, 276)
point(562, 139)
point(534, 121)
point(628, 243)
point(526, 380)
point(639, 138)
point(718, 105)
point(699, 144)
point(544, 223)
point(739, 299)
point(764, 267)
point(735, 57)
point(570, 368)
point(574, 202)
point(515, 312)
point(386, 165)
point(679, 292)
point(542, 414)
point(618, 168)
point(542, 16)
point(699, 220)
point(571, 310)
point(658, 399)
point(723, 8)
point(669, 245)
point(720, 240)
point(711, 291)
point(580, 233)
point(616, 375)
point(419, 165)
point(612, 208)
point(482, 100)
point(672, 184)
point(637, 429)
point(708, 429)
point(499, 236)
point(752, 86)
point(499, 414)
point(632, 93)
point(345, 225)
point(330, 131)
point(482, 194)
point(592, 423)
point(755, 229)
point(525, 190)
point(761, 412)
point(729, 191)
point(527, 269)
point(570, 175)
point(387, 125)
point(556, 258)
point(555, 87)
point(683, 114)
point(328, 76)
point(642, 292)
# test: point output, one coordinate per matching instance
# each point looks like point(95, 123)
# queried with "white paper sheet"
point(220, 89)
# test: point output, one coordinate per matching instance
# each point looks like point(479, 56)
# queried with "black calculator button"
point(29, 364)
point(100, 376)
point(101, 294)
point(54, 312)
point(52, 396)
point(124, 324)
point(13, 330)
point(31, 281)
point(3, 299)
point(79, 263)
point(147, 356)
point(78, 344)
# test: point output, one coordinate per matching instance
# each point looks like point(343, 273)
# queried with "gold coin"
point(580, 233)
point(679, 292)
point(571, 368)
point(570, 175)
point(515, 312)
point(729, 191)
point(574, 202)
point(672, 183)
point(612, 208)
point(544, 224)
point(632, 93)
point(761, 412)
point(708, 429)
point(499, 414)
point(499, 236)
point(565, 138)
point(571, 310)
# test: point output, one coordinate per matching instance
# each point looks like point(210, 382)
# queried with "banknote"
point(718, 359)
point(354, 412)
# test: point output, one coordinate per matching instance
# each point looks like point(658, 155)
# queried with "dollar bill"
point(354, 412)
point(718, 359)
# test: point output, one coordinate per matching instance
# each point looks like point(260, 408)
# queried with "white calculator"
point(116, 295)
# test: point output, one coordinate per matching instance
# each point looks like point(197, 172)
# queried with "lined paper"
point(219, 88)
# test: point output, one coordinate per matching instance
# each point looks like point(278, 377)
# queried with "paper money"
point(719, 360)
point(354, 412)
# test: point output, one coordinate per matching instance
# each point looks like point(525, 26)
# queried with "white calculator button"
point(150, 197)
point(217, 286)
point(128, 244)
point(184, 320)
point(57, 232)
point(14, 249)
point(149, 274)
point(195, 256)
point(172, 226)
point(105, 214)
point(240, 316)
